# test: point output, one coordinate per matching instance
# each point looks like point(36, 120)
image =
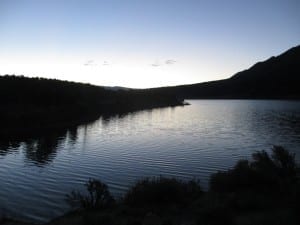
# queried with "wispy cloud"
point(166, 62)
point(155, 64)
point(94, 63)
point(170, 61)
point(90, 63)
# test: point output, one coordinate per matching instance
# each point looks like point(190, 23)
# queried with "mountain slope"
point(275, 78)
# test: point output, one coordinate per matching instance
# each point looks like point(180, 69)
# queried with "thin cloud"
point(155, 64)
point(166, 62)
point(105, 63)
point(90, 63)
point(170, 61)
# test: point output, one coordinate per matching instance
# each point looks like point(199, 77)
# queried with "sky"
point(143, 43)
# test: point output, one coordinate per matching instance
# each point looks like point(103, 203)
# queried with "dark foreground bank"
point(263, 191)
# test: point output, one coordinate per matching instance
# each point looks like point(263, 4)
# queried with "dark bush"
point(284, 162)
point(264, 173)
point(238, 177)
point(216, 216)
point(162, 191)
point(98, 196)
point(96, 219)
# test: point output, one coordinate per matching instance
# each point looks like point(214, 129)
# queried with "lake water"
point(184, 142)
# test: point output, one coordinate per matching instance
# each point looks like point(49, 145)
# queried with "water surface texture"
point(185, 142)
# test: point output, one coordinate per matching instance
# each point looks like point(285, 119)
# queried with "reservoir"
point(189, 142)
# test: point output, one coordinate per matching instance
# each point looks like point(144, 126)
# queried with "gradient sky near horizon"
point(143, 43)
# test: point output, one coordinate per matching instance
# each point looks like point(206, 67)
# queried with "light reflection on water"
point(185, 142)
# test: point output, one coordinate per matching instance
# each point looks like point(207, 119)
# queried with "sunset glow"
point(138, 44)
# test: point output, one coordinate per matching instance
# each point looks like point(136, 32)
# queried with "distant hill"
point(38, 104)
point(276, 78)
point(31, 104)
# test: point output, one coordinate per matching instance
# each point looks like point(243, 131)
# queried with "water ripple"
point(184, 142)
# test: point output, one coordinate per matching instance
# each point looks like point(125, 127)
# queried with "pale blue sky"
point(143, 43)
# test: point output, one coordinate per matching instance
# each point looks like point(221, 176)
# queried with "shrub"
point(238, 177)
point(96, 219)
point(284, 162)
point(265, 172)
point(162, 191)
point(215, 216)
point(98, 196)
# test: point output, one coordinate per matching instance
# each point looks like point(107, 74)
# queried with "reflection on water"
point(186, 142)
point(8, 146)
point(42, 150)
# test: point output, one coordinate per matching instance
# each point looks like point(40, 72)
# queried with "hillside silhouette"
point(32, 105)
point(38, 104)
point(276, 78)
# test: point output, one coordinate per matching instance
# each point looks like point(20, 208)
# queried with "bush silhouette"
point(264, 190)
point(264, 173)
point(162, 191)
point(98, 196)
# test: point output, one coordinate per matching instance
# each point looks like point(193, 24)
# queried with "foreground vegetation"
point(264, 191)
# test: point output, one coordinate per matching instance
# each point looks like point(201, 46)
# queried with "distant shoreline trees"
point(38, 104)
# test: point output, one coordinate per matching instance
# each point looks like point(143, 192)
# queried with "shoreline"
point(16, 133)
point(264, 190)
